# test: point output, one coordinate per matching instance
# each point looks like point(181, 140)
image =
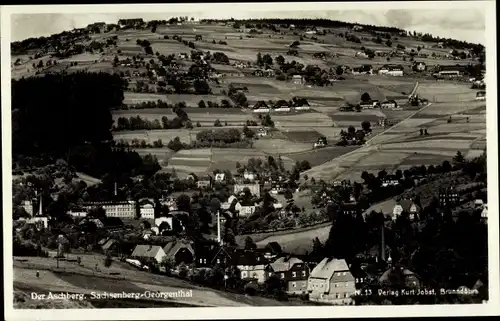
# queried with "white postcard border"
point(490, 308)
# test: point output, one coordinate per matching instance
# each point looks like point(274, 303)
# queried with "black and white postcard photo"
point(250, 160)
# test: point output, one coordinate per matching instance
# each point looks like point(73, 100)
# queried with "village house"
point(262, 132)
point(391, 70)
point(389, 104)
point(390, 180)
point(452, 71)
point(204, 182)
point(220, 177)
point(215, 75)
point(258, 73)
point(448, 197)
point(251, 176)
point(252, 265)
point(254, 188)
point(365, 70)
point(147, 211)
point(179, 251)
point(367, 104)
point(269, 73)
point(37, 221)
point(407, 206)
point(243, 208)
point(478, 203)
point(481, 95)
point(170, 202)
point(146, 234)
point(28, 207)
point(260, 107)
point(331, 282)
point(298, 79)
point(98, 222)
point(361, 54)
point(75, 212)
point(271, 250)
point(293, 271)
point(320, 142)
point(230, 201)
point(148, 253)
point(420, 66)
point(484, 213)
point(384, 122)
point(410, 279)
point(110, 246)
point(351, 209)
point(246, 209)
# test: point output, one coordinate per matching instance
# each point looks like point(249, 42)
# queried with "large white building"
point(147, 211)
point(124, 209)
point(254, 189)
point(390, 70)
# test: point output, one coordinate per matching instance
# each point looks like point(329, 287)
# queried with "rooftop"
point(327, 267)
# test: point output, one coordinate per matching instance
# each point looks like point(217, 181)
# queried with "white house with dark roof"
point(391, 70)
point(147, 211)
point(148, 252)
point(250, 175)
point(481, 95)
point(331, 282)
point(484, 212)
point(407, 206)
point(220, 177)
point(298, 79)
point(389, 104)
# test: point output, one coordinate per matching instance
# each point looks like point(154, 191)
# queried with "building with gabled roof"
point(331, 282)
point(179, 251)
point(407, 206)
point(252, 265)
point(293, 271)
point(150, 253)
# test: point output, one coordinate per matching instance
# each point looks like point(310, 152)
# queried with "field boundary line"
point(396, 125)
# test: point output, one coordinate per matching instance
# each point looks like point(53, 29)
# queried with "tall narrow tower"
point(382, 249)
point(40, 210)
point(218, 228)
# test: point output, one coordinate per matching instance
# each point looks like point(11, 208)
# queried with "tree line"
point(68, 116)
point(305, 22)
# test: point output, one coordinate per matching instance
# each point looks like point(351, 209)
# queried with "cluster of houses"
point(280, 106)
point(330, 281)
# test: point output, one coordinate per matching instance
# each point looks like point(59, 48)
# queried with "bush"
point(183, 270)
point(108, 261)
point(251, 289)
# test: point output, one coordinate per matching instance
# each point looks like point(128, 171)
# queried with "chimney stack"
point(116, 189)
point(40, 210)
point(218, 227)
point(382, 249)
